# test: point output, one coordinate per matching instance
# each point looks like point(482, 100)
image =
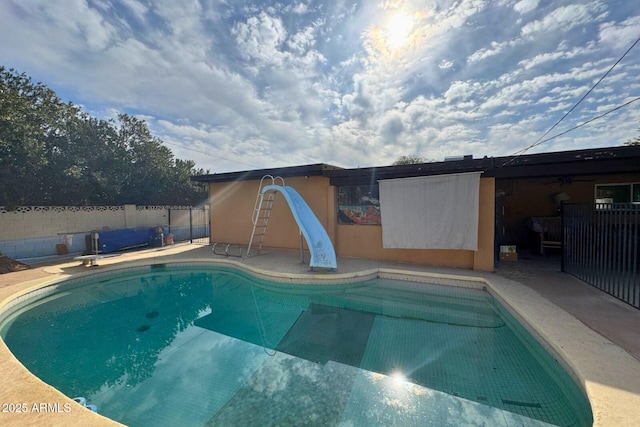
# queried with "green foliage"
point(29, 114)
point(411, 159)
point(52, 153)
point(633, 141)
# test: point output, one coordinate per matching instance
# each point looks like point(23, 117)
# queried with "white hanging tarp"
point(431, 212)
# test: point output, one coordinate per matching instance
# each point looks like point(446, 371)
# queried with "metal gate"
point(601, 246)
point(190, 224)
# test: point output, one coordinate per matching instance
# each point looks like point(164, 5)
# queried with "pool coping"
point(613, 388)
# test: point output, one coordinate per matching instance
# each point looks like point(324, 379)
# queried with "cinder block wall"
point(34, 231)
point(45, 221)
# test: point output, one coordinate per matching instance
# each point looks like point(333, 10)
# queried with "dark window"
point(618, 193)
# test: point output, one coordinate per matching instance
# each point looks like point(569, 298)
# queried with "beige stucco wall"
point(483, 258)
point(232, 204)
point(365, 241)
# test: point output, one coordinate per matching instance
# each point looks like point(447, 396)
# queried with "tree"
point(29, 114)
point(155, 177)
point(184, 191)
point(52, 153)
point(635, 141)
point(149, 163)
point(86, 165)
point(411, 159)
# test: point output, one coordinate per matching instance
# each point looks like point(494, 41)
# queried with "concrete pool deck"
point(594, 335)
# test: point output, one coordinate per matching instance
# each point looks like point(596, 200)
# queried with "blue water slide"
point(322, 252)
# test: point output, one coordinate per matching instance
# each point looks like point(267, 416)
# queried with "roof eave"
point(317, 169)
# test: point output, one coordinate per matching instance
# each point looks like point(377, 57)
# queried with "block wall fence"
point(34, 231)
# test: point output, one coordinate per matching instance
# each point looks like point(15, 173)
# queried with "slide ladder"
point(262, 212)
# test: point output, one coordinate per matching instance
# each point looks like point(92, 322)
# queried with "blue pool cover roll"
point(116, 240)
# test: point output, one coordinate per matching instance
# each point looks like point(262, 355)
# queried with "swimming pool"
point(196, 345)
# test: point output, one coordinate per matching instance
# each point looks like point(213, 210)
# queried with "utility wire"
point(208, 154)
point(540, 139)
point(590, 120)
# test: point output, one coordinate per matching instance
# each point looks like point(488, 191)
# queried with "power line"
point(591, 120)
point(587, 94)
point(208, 154)
point(540, 139)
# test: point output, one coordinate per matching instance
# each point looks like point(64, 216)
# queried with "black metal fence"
point(601, 246)
point(190, 224)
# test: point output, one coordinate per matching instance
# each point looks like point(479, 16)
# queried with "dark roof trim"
point(371, 175)
point(576, 168)
point(625, 159)
point(597, 161)
point(318, 169)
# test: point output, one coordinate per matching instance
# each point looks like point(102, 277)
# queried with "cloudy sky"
point(239, 85)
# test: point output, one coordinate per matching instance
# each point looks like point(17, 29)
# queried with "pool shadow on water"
point(264, 329)
point(318, 334)
point(323, 333)
point(310, 378)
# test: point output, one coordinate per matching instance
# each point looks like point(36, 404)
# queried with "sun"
point(398, 30)
point(398, 378)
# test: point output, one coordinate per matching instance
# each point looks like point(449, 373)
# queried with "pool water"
point(205, 346)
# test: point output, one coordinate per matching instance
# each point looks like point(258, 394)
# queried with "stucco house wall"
point(232, 204)
point(365, 241)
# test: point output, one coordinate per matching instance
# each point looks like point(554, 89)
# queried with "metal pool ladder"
point(262, 211)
